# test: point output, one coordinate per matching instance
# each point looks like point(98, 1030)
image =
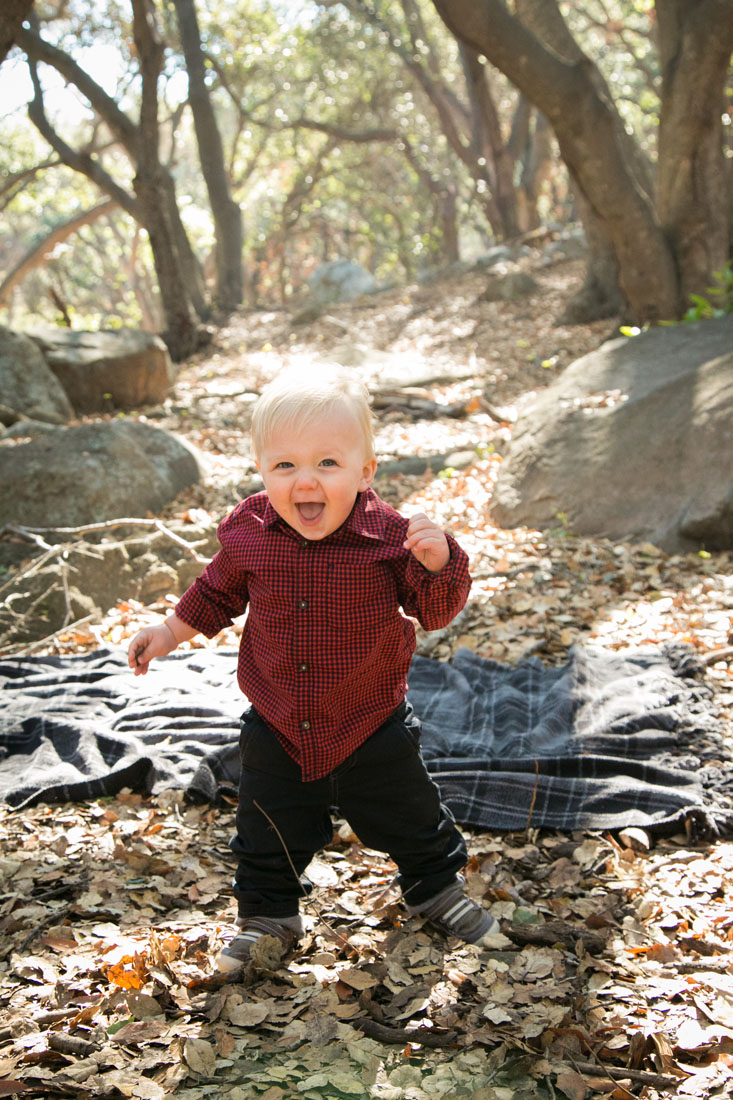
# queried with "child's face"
point(312, 479)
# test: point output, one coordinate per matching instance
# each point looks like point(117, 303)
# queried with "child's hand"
point(152, 641)
point(427, 542)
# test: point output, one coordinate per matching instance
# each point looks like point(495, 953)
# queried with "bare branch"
point(40, 251)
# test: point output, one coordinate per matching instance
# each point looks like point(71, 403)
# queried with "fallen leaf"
point(200, 1056)
point(572, 1084)
point(248, 1015)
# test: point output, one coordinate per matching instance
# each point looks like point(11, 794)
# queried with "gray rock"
point(29, 429)
point(634, 441)
point(507, 281)
point(102, 371)
point(495, 255)
point(571, 244)
point(340, 281)
point(94, 472)
point(28, 388)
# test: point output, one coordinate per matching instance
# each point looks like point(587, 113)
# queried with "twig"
point(715, 965)
point(523, 567)
point(22, 648)
point(30, 533)
point(332, 931)
point(501, 416)
point(56, 916)
point(67, 594)
point(534, 794)
point(644, 1077)
point(427, 1037)
point(35, 566)
point(716, 655)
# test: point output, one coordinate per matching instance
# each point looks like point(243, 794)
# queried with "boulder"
point(124, 563)
point(499, 253)
point(93, 472)
point(633, 441)
point(340, 281)
point(28, 388)
point(571, 244)
point(507, 281)
point(107, 370)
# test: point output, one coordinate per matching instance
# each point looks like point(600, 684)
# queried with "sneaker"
point(454, 914)
point(237, 953)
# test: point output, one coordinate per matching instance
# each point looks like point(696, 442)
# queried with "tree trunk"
point(600, 295)
point(492, 159)
point(129, 137)
point(585, 124)
point(695, 42)
point(11, 20)
point(537, 160)
point(656, 262)
point(226, 213)
point(151, 190)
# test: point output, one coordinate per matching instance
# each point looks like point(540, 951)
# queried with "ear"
point(367, 474)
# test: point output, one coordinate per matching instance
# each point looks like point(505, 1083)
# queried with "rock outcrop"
point(634, 441)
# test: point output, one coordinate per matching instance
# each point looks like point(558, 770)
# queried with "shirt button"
point(304, 543)
point(305, 725)
point(302, 604)
point(302, 667)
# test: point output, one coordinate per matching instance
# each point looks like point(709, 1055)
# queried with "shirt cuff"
point(454, 570)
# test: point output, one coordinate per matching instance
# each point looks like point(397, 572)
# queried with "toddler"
point(323, 566)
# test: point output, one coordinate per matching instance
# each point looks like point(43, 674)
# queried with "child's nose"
point(306, 478)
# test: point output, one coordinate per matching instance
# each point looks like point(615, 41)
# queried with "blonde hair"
point(296, 398)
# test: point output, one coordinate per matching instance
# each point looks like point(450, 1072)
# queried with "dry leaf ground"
point(612, 976)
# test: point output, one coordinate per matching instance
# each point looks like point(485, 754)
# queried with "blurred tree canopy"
point(171, 158)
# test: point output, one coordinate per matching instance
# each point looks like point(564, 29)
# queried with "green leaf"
point(114, 1028)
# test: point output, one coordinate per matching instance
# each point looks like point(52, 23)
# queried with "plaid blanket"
point(604, 741)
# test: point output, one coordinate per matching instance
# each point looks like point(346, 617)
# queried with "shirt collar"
point(367, 517)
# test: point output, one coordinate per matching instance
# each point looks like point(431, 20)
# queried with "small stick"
point(534, 794)
point(332, 931)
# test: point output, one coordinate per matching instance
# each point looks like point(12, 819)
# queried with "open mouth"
point(310, 510)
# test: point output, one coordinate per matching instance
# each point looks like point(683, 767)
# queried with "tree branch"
point(36, 256)
point(37, 49)
point(79, 162)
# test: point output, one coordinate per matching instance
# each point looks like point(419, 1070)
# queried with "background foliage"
point(336, 124)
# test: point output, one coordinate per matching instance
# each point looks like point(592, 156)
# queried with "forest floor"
point(613, 975)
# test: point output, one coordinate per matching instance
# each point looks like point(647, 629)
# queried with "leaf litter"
point(612, 973)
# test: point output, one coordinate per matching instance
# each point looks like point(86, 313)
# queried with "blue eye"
point(329, 462)
point(284, 466)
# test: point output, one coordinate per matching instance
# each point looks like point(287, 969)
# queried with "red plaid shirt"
point(325, 650)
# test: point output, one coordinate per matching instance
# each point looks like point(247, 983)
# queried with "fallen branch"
point(555, 931)
point(427, 1037)
point(643, 1077)
point(70, 1044)
point(523, 567)
point(22, 648)
point(25, 531)
point(419, 405)
point(716, 655)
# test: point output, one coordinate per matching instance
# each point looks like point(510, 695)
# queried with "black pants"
point(384, 792)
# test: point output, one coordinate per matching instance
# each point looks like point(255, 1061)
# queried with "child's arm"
point(157, 641)
point(428, 543)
